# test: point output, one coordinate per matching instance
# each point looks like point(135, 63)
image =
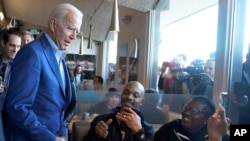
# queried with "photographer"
point(168, 79)
point(203, 82)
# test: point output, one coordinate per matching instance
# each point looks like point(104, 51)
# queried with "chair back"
point(79, 130)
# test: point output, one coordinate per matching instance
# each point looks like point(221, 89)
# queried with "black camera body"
point(190, 73)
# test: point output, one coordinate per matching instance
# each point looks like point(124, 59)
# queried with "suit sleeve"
point(24, 82)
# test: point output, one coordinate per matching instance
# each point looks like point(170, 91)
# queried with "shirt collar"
point(60, 54)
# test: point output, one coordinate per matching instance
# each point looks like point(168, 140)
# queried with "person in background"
point(150, 109)
point(184, 58)
point(10, 42)
point(40, 88)
point(78, 76)
point(206, 81)
point(26, 37)
point(169, 80)
point(126, 122)
point(97, 82)
point(112, 100)
point(192, 126)
point(242, 98)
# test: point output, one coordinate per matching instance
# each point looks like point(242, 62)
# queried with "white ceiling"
point(36, 12)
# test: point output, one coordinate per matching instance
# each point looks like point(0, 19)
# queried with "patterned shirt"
point(5, 68)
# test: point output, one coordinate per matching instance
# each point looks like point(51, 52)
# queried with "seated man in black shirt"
point(125, 123)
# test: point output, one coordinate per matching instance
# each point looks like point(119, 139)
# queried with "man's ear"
point(52, 24)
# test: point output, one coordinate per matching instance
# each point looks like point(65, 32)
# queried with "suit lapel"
point(49, 53)
point(67, 82)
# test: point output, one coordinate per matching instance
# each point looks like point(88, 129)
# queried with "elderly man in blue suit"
point(40, 90)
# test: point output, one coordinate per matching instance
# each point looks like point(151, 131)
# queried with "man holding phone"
point(125, 122)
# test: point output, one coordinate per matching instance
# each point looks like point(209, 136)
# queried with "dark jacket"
point(115, 129)
point(153, 114)
point(173, 131)
point(243, 117)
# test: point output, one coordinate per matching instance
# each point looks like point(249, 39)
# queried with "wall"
point(75, 46)
point(137, 28)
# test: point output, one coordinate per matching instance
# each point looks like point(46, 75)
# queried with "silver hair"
point(26, 32)
point(62, 9)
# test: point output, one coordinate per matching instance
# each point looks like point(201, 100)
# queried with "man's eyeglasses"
point(192, 110)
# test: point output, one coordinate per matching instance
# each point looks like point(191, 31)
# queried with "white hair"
point(26, 32)
point(62, 9)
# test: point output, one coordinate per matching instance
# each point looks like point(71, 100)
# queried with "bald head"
point(136, 85)
point(132, 95)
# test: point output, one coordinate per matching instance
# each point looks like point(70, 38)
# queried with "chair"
point(79, 130)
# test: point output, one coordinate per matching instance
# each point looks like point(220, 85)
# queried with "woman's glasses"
point(192, 110)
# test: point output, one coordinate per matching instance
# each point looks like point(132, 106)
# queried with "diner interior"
point(147, 33)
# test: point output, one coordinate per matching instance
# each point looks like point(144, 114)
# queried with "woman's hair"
point(209, 105)
point(76, 69)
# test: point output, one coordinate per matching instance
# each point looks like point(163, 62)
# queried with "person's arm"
point(217, 125)
point(98, 129)
point(133, 122)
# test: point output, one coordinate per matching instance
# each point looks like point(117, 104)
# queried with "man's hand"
point(130, 118)
point(101, 128)
point(217, 124)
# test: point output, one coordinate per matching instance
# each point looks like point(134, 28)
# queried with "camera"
point(190, 73)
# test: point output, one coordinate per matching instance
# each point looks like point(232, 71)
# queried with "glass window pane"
point(187, 47)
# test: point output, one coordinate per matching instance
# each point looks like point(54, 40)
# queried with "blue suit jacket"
point(36, 100)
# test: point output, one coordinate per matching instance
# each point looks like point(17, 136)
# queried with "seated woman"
point(192, 126)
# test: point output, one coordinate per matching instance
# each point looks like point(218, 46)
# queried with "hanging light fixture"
point(90, 37)
point(114, 26)
point(81, 46)
point(1, 16)
point(136, 48)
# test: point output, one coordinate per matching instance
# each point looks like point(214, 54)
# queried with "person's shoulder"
point(171, 125)
point(166, 132)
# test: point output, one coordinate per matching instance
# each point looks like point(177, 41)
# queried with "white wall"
point(137, 28)
point(75, 46)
